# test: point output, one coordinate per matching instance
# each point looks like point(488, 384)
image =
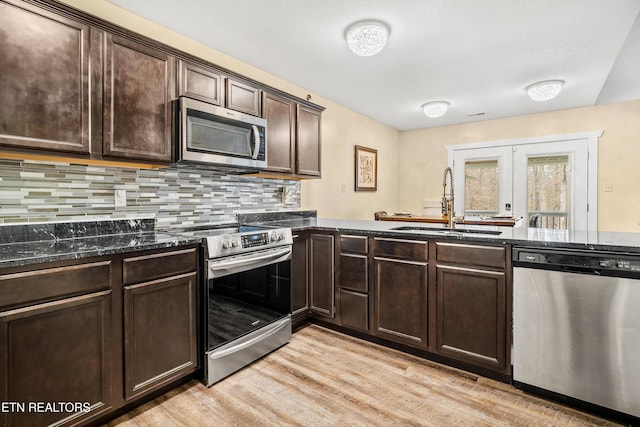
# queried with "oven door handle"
point(244, 263)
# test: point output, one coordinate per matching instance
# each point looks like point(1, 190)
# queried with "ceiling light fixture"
point(435, 109)
point(367, 38)
point(545, 91)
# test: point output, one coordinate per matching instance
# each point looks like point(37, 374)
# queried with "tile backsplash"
point(36, 191)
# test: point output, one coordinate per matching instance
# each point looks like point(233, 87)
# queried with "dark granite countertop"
point(520, 236)
point(38, 243)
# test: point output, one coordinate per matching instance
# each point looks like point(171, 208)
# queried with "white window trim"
point(590, 138)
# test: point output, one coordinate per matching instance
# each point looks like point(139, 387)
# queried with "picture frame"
point(366, 169)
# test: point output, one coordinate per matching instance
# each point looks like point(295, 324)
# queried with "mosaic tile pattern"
point(36, 191)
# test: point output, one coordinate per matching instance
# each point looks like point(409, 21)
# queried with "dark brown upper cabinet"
point(280, 113)
point(242, 97)
point(293, 137)
point(138, 90)
point(75, 86)
point(204, 84)
point(44, 80)
point(308, 142)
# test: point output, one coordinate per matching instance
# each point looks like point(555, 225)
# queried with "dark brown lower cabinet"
point(471, 317)
point(160, 342)
point(299, 277)
point(354, 302)
point(57, 353)
point(446, 298)
point(75, 345)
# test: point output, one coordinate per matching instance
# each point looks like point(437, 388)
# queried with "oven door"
point(248, 306)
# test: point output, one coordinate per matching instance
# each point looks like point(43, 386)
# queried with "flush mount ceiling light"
point(367, 38)
point(545, 91)
point(435, 109)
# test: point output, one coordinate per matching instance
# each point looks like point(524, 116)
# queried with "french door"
point(550, 182)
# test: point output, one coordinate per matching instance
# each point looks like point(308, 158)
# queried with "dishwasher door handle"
point(580, 270)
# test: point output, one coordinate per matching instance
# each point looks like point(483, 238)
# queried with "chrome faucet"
point(447, 200)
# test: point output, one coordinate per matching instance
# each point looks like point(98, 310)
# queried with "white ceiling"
point(479, 55)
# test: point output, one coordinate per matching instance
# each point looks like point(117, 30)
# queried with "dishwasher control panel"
point(568, 258)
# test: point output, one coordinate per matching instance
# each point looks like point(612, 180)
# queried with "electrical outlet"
point(343, 188)
point(120, 198)
point(608, 187)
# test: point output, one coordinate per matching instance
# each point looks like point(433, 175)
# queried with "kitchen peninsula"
point(436, 219)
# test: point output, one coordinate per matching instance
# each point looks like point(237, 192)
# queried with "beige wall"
point(423, 155)
point(410, 164)
point(334, 196)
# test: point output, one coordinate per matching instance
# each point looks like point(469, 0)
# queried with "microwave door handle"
point(256, 142)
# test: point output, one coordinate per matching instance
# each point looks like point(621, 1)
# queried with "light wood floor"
point(323, 378)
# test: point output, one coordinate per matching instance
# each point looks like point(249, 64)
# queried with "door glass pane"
point(481, 187)
point(548, 191)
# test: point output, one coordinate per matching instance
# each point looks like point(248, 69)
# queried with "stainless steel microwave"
point(217, 136)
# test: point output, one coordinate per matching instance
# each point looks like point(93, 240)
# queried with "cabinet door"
point(200, 83)
point(401, 301)
point(280, 114)
point(242, 97)
point(44, 80)
point(159, 332)
point(57, 352)
point(321, 274)
point(138, 88)
point(299, 274)
point(471, 315)
point(308, 142)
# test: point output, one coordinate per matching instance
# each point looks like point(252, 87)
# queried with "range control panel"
point(254, 239)
point(233, 243)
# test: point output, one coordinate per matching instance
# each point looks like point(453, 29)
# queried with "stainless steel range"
point(247, 296)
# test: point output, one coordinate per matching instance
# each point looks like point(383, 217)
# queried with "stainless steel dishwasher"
point(576, 327)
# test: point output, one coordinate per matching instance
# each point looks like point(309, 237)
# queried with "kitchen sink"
point(448, 231)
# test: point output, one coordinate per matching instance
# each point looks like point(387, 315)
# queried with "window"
point(481, 187)
point(550, 182)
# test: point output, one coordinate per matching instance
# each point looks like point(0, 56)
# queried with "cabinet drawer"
point(482, 256)
point(28, 287)
point(400, 248)
point(357, 244)
point(158, 265)
point(354, 272)
point(354, 310)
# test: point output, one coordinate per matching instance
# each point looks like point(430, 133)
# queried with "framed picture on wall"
point(366, 169)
